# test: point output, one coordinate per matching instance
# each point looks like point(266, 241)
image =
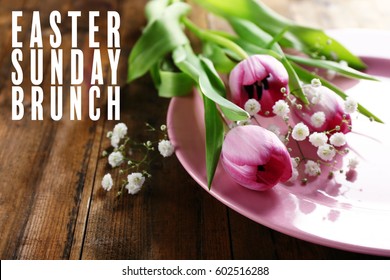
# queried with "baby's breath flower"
point(350, 105)
point(318, 119)
point(318, 139)
point(316, 99)
point(338, 139)
point(120, 130)
point(343, 63)
point(312, 168)
point(252, 106)
point(107, 182)
point(353, 163)
point(109, 134)
point(281, 108)
point(294, 175)
point(300, 132)
point(134, 182)
point(294, 162)
point(309, 90)
point(115, 139)
point(316, 83)
point(115, 159)
point(165, 148)
point(316, 95)
point(163, 127)
point(331, 74)
point(244, 122)
point(326, 152)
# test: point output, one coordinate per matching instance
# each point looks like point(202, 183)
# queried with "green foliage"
point(313, 42)
point(158, 39)
point(164, 50)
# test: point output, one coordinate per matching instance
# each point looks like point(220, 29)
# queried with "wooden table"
point(51, 203)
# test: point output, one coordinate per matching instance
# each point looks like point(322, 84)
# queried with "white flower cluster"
point(123, 148)
point(318, 119)
point(350, 105)
point(327, 149)
point(313, 124)
point(295, 173)
point(328, 143)
point(281, 108)
point(119, 132)
point(134, 182)
point(300, 132)
point(252, 106)
point(166, 148)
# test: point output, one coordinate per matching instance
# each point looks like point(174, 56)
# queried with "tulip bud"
point(261, 77)
point(255, 157)
point(325, 111)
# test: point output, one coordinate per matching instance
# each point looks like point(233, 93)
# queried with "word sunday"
point(90, 74)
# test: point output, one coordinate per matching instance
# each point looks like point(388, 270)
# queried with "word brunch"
point(78, 69)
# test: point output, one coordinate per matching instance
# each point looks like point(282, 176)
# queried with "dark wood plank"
point(249, 239)
point(46, 165)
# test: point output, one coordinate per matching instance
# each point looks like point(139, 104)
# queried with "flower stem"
point(215, 38)
point(300, 151)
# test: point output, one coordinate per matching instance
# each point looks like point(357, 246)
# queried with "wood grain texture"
point(51, 203)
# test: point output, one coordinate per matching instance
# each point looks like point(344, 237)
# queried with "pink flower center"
point(257, 88)
point(260, 168)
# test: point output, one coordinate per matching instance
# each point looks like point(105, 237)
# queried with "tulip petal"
point(331, 105)
point(248, 145)
point(261, 77)
point(255, 157)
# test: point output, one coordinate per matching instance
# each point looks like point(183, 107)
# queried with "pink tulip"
point(261, 77)
point(330, 104)
point(255, 157)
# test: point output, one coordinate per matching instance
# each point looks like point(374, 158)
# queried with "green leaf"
point(169, 80)
point(214, 137)
point(210, 84)
point(155, 74)
point(219, 56)
point(174, 84)
point(313, 42)
point(317, 44)
point(251, 33)
point(307, 76)
point(339, 68)
point(155, 8)
point(187, 61)
point(159, 38)
point(213, 92)
point(294, 81)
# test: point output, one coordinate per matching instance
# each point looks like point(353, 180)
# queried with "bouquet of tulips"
point(281, 122)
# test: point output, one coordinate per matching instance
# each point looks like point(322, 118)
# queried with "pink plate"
point(336, 213)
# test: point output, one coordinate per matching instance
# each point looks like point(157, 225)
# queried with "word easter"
point(78, 69)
